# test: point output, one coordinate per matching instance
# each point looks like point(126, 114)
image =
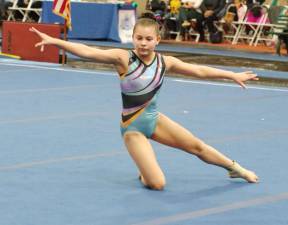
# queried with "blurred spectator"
point(212, 10)
point(209, 12)
point(158, 7)
point(174, 6)
point(235, 10)
point(170, 20)
point(190, 15)
point(251, 3)
point(255, 10)
point(241, 9)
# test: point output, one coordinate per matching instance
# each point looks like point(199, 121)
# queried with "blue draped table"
point(89, 20)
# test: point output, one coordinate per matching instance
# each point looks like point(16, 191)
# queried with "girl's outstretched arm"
point(111, 56)
point(205, 72)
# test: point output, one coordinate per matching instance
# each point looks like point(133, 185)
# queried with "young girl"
point(141, 72)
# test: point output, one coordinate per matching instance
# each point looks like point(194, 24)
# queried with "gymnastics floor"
point(63, 161)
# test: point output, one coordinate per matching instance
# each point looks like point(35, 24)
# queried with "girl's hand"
point(241, 78)
point(45, 39)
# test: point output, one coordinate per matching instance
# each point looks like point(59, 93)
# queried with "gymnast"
point(141, 73)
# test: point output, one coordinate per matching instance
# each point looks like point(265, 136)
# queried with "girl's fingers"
point(242, 85)
point(39, 44)
point(254, 77)
point(33, 29)
point(245, 76)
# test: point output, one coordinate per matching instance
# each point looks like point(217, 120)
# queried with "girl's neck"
point(147, 59)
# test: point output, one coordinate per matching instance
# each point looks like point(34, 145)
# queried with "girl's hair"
point(147, 19)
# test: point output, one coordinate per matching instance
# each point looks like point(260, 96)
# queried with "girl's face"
point(145, 40)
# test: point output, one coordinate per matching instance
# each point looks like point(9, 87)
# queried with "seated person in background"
point(171, 26)
point(158, 7)
point(241, 9)
point(212, 10)
point(174, 6)
point(230, 11)
point(251, 3)
point(235, 10)
point(190, 11)
point(255, 12)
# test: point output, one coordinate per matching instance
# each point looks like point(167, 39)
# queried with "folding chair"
point(191, 32)
point(194, 34)
point(278, 23)
point(29, 10)
point(248, 29)
point(11, 11)
point(230, 28)
point(23, 11)
point(170, 28)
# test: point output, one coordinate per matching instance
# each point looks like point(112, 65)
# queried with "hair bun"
point(148, 15)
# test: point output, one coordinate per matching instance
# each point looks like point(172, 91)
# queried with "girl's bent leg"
point(143, 155)
point(172, 134)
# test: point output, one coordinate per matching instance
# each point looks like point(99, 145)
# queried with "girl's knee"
point(154, 184)
point(158, 185)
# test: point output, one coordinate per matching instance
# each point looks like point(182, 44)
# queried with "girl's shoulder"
point(122, 55)
point(169, 61)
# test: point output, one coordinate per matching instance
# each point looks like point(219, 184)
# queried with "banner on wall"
point(126, 22)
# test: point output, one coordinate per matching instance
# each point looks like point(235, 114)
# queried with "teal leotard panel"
point(146, 122)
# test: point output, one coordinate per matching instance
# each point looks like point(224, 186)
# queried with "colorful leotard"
point(140, 87)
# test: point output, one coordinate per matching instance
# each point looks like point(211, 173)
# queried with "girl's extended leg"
point(142, 153)
point(172, 134)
